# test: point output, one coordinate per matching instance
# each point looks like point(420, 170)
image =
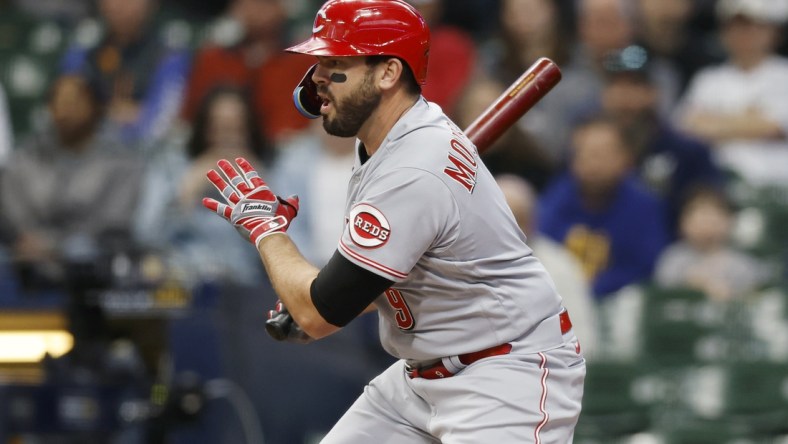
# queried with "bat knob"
point(278, 326)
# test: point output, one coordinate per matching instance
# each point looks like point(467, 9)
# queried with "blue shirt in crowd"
point(617, 245)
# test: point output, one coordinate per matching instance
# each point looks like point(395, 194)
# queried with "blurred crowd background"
point(652, 182)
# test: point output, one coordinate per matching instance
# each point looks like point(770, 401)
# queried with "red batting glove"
point(251, 207)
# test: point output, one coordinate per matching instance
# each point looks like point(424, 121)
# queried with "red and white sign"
point(369, 227)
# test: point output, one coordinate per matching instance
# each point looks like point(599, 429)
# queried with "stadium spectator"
point(704, 258)
point(602, 213)
point(224, 127)
point(140, 79)
point(664, 28)
point(667, 161)
point(452, 56)
point(562, 265)
point(531, 29)
point(741, 106)
point(604, 27)
point(253, 59)
point(67, 186)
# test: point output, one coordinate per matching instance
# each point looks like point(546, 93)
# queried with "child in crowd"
point(704, 258)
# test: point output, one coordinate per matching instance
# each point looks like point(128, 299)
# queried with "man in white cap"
point(741, 106)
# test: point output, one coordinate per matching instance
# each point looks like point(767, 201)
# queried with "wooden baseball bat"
point(509, 107)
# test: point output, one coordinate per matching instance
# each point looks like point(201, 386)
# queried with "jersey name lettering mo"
point(465, 165)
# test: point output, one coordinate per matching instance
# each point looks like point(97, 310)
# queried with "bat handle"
point(283, 327)
point(278, 326)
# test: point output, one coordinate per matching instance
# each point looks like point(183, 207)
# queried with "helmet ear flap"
point(305, 97)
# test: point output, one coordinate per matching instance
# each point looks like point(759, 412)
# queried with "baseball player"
point(486, 351)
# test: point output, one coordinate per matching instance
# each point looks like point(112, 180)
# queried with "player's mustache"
point(323, 90)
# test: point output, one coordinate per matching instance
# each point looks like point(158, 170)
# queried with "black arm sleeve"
point(342, 290)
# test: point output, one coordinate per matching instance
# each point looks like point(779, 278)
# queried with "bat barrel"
point(521, 96)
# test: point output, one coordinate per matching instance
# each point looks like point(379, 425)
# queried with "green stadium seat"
point(763, 230)
point(47, 38)
point(178, 29)
point(30, 51)
point(767, 313)
point(762, 223)
point(703, 434)
point(730, 402)
point(15, 30)
point(615, 403)
point(682, 326)
point(26, 78)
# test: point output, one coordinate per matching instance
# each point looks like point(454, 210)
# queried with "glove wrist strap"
point(274, 225)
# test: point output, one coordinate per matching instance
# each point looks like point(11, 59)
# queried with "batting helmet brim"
point(317, 46)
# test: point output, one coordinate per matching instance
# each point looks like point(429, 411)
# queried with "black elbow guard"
point(342, 290)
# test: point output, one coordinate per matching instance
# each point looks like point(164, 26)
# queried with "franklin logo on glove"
point(257, 207)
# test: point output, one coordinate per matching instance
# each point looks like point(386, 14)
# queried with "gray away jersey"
point(425, 212)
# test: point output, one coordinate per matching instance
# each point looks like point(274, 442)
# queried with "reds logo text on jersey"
point(370, 228)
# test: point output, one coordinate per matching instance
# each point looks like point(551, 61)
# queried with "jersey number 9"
point(403, 315)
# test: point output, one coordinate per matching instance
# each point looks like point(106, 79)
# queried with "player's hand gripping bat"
point(510, 106)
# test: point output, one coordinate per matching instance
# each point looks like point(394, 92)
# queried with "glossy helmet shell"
point(367, 28)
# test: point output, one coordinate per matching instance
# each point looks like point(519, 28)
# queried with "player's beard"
point(353, 111)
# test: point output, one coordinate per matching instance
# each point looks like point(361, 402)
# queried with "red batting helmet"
point(370, 27)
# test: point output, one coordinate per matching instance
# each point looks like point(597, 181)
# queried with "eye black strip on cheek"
point(338, 77)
